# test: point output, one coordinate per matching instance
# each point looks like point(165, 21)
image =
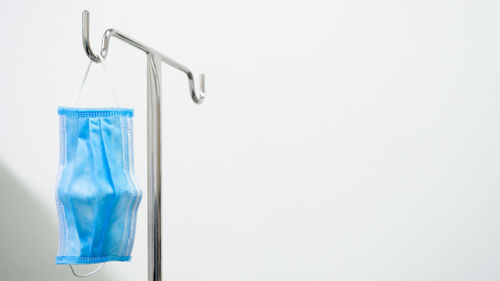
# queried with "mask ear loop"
point(85, 76)
point(86, 274)
point(75, 99)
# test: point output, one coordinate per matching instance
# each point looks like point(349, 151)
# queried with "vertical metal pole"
point(154, 129)
point(154, 166)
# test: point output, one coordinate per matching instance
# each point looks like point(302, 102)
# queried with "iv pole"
point(154, 60)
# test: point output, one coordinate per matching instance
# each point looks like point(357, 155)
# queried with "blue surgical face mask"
point(97, 195)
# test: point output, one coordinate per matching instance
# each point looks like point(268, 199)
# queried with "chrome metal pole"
point(154, 60)
point(154, 167)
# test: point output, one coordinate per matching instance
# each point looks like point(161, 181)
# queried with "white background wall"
point(340, 140)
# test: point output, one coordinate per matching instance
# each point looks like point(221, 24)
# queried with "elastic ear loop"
point(115, 98)
point(86, 274)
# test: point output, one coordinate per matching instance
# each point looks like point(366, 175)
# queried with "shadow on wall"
point(29, 236)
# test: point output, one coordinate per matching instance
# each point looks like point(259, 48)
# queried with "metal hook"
point(197, 97)
point(85, 37)
point(201, 97)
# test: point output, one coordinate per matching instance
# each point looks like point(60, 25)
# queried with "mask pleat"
point(98, 200)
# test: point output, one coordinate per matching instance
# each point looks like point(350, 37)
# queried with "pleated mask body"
point(97, 195)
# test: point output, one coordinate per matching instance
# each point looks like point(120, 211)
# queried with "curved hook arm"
point(85, 37)
point(106, 37)
point(201, 97)
point(197, 97)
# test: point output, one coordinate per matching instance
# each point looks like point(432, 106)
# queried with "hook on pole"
point(197, 96)
point(85, 38)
